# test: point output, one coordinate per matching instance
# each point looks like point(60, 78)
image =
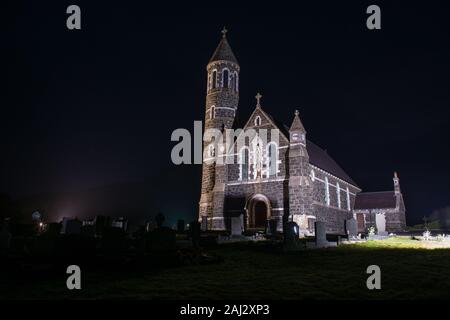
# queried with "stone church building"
point(290, 179)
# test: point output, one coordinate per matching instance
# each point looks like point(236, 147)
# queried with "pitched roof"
point(321, 159)
point(223, 52)
point(375, 200)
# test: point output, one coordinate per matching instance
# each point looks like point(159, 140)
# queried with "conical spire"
point(297, 124)
point(223, 50)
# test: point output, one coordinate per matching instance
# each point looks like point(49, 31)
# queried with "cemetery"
point(189, 261)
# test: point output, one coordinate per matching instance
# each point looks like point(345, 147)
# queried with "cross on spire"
point(224, 32)
point(258, 99)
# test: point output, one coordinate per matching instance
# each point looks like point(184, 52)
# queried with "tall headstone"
point(195, 233)
point(180, 226)
point(351, 228)
point(321, 234)
point(237, 226)
point(273, 223)
point(291, 236)
point(160, 218)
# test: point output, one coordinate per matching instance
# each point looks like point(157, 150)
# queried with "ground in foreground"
point(261, 271)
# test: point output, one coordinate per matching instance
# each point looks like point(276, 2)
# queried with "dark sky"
point(96, 107)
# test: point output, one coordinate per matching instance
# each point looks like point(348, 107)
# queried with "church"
point(273, 182)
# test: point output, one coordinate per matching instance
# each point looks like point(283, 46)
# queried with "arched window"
point(257, 156)
point(272, 159)
point(257, 121)
point(232, 82)
point(236, 82)
point(338, 194)
point(327, 192)
point(243, 163)
point(348, 199)
point(212, 112)
point(225, 78)
point(214, 79)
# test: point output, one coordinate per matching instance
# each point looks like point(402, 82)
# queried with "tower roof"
point(297, 124)
point(223, 51)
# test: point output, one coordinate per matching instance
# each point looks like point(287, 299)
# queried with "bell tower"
point(300, 185)
point(222, 98)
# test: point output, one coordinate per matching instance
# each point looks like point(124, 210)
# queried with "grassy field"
point(409, 270)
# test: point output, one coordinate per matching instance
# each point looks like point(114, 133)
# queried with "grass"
point(257, 271)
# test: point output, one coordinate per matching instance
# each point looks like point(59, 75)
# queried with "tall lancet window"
point(338, 194)
point(272, 159)
point(214, 79)
point(327, 192)
point(243, 163)
point(236, 83)
point(225, 78)
point(348, 199)
point(257, 157)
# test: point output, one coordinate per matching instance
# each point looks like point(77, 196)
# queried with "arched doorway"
point(258, 212)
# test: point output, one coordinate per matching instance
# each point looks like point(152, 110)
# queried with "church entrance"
point(258, 212)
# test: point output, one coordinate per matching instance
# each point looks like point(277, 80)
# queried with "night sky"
point(90, 112)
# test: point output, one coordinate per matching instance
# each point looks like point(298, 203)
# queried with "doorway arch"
point(257, 211)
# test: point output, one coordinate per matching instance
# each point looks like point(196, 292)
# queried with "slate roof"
point(321, 159)
point(375, 200)
point(223, 52)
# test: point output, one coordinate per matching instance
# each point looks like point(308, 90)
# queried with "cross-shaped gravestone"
point(258, 99)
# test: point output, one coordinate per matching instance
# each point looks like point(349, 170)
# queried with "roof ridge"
point(369, 192)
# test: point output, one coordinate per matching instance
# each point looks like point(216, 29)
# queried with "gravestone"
point(351, 228)
point(204, 223)
point(73, 226)
point(180, 226)
point(273, 223)
point(159, 218)
point(237, 226)
point(101, 223)
point(194, 227)
point(321, 234)
point(291, 236)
